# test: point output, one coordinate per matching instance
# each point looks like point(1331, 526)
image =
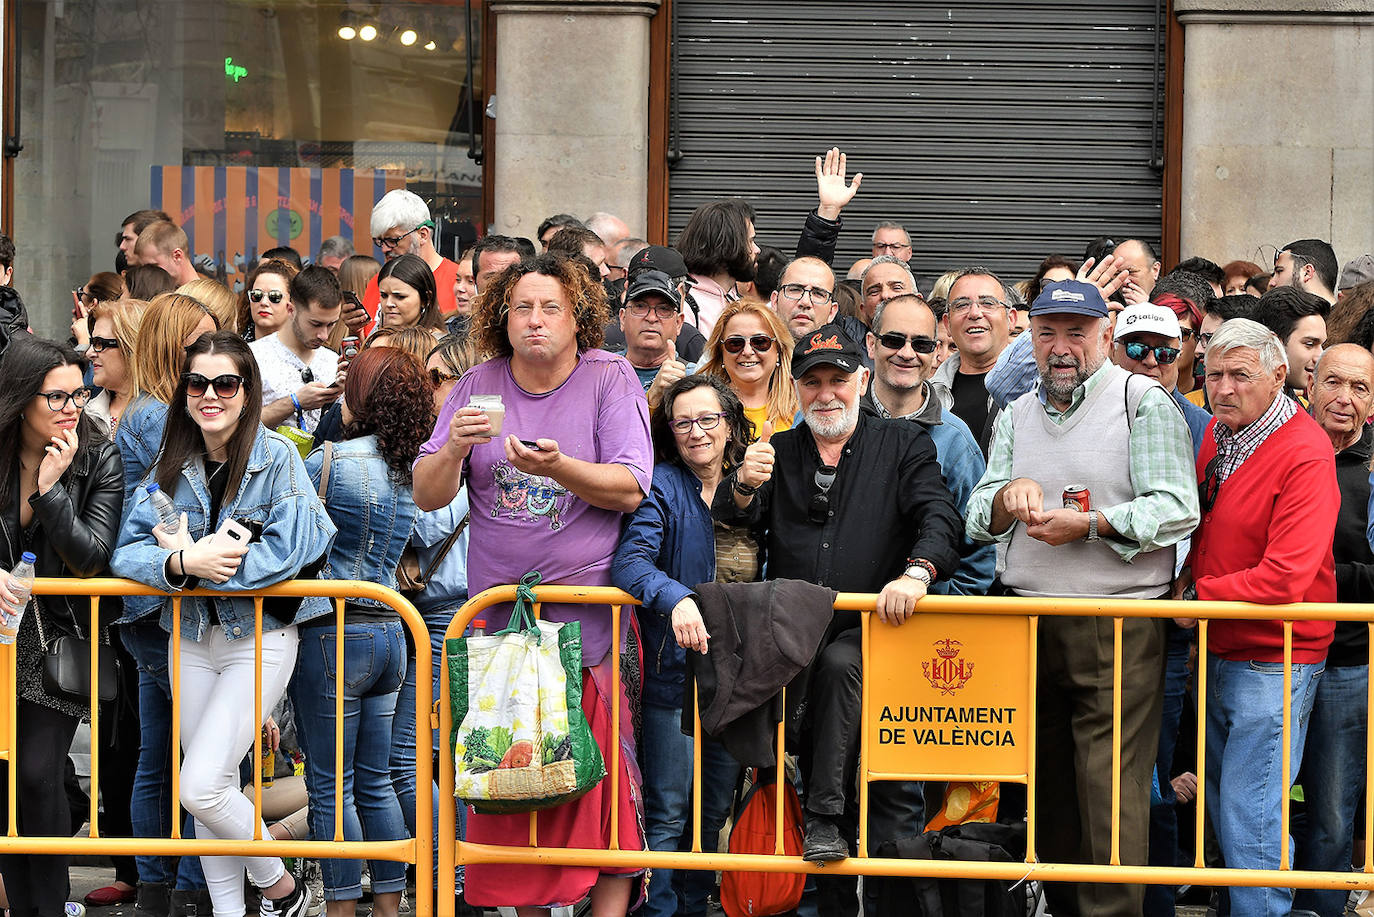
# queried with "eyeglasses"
point(819, 296)
point(225, 386)
point(273, 296)
point(986, 303)
point(1211, 483)
point(1205, 337)
point(57, 401)
point(84, 295)
point(640, 309)
point(1137, 350)
point(761, 343)
point(100, 345)
point(895, 341)
point(1188, 334)
point(888, 248)
point(819, 511)
point(390, 242)
point(438, 377)
point(683, 425)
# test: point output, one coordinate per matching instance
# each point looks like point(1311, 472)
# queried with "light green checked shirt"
point(1165, 510)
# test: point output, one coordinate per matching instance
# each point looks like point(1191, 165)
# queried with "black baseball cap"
point(828, 344)
point(648, 280)
point(658, 258)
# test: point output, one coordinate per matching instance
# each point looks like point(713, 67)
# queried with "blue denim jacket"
point(139, 437)
point(374, 514)
point(447, 586)
point(296, 531)
point(666, 549)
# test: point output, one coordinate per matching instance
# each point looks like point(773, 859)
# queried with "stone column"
point(571, 111)
point(1278, 126)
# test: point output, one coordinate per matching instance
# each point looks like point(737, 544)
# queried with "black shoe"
point(461, 908)
point(294, 904)
point(154, 899)
point(191, 902)
point(823, 841)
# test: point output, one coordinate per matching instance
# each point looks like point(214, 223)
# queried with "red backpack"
point(760, 894)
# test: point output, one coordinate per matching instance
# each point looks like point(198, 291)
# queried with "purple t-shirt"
point(522, 522)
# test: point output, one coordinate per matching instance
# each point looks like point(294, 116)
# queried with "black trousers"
point(37, 885)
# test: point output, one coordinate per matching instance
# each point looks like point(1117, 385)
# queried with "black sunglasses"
point(761, 343)
point(225, 386)
point(1211, 483)
point(893, 340)
point(100, 345)
point(273, 296)
point(1136, 350)
point(438, 377)
point(819, 511)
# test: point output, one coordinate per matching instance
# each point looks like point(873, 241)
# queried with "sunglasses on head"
point(893, 340)
point(225, 386)
point(273, 296)
point(761, 343)
point(1136, 350)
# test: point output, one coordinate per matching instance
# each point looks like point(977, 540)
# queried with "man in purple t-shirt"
point(556, 509)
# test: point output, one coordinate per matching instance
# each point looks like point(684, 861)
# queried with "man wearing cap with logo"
point(856, 503)
point(651, 321)
point(1090, 424)
point(1149, 341)
point(690, 342)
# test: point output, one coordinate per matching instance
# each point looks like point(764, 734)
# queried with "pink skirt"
point(584, 822)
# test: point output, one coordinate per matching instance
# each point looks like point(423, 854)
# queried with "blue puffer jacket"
point(373, 513)
point(666, 549)
point(275, 492)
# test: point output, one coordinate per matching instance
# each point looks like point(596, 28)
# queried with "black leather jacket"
point(77, 532)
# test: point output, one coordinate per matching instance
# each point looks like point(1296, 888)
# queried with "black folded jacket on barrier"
point(763, 636)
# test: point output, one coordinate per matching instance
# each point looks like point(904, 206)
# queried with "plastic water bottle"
point(21, 582)
point(166, 510)
point(75, 909)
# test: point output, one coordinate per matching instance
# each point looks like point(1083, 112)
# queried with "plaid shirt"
point(1233, 448)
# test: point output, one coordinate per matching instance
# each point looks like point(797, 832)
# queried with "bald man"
point(1333, 763)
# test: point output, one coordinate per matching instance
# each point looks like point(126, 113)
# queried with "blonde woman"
point(751, 349)
point(220, 300)
point(112, 343)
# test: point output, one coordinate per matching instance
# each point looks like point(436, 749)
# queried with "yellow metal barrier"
point(1030, 611)
point(417, 851)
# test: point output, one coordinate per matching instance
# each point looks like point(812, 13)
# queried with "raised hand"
point(831, 187)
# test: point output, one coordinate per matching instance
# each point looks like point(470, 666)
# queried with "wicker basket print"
point(521, 741)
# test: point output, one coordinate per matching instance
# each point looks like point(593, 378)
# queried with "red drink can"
point(1078, 497)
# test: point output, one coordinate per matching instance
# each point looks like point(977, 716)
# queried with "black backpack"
point(926, 897)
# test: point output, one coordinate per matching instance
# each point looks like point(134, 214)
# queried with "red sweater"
point(1268, 540)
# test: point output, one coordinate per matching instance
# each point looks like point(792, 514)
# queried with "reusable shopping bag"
point(520, 740)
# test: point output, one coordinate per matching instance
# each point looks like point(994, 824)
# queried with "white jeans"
point(217, 730)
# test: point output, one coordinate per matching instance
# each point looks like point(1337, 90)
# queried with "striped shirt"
point(1233, 448)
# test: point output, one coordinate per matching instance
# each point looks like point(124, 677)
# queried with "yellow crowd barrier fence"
point(924, 663)
point(417, 851)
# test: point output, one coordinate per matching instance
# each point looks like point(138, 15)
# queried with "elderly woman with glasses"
point(751, 348)
point(668, 546)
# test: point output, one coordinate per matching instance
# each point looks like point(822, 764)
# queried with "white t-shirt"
point(283, 373)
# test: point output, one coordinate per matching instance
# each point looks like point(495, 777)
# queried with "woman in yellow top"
point(751, 348)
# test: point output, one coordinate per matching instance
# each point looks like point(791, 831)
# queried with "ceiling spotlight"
point(408, 37)
point(367, 32)
point(430, 46)
point(347, 32)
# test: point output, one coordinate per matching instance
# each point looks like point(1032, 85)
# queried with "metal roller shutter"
point(997, 133)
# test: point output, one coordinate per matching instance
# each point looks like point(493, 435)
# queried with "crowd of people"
point(730, 434)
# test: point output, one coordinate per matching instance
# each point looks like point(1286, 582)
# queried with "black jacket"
point(1354, 562)
point(76, 528)
point(818, 237)
point(763, 635)
point(13, 316)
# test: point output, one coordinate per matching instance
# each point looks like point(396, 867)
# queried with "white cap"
point(1147, 317)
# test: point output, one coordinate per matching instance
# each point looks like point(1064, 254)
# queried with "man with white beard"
point(856, 503)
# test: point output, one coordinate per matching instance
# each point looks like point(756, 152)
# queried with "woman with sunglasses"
point(751, 347)
point(113, 342)
point(218, 463)
point(408, 296)
point(263, 306)
point(669, 546)
point(60, 498)
point(388, 412)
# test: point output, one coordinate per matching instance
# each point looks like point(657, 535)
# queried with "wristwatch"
point(1092, 527)
point(922, 570)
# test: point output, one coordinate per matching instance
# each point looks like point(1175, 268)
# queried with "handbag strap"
point(444, 548)
point(328, 460)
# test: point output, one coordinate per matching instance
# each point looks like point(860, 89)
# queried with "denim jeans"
point(151, 801)
point(719, 774)
point(403, 737)
point(1160, 899)
point(1245, 790)
point(373, 670)
point(1332, 781)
